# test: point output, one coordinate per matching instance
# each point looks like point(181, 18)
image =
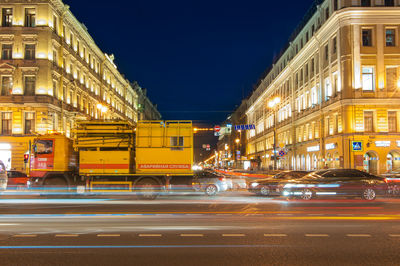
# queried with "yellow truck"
point(113, 155)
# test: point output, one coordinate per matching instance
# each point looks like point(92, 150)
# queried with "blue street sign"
point(357, 146)
point(245, 127)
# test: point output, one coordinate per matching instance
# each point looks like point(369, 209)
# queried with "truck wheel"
point(58, 182)
point(147, 189)
point(55, 187)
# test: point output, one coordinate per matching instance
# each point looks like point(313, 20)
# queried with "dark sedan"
point(273, 186)
point(336, 182)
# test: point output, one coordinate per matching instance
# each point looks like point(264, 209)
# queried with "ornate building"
point(333, 94)
point(53, 73)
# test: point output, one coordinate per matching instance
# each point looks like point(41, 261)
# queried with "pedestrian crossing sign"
point(357, 146)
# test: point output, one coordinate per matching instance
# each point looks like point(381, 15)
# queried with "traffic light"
point(26, 158)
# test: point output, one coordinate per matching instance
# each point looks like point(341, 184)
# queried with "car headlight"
point(254, 184)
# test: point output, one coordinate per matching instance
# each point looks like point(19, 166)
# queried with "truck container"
point(154, 156)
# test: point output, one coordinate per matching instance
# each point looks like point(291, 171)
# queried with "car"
point(273, 186)
point(336, 182)
point(3, 176)
point(17, 179)
point(210, 182)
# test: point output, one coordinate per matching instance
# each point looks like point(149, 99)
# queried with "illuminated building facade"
point(338, 82)
point(51, 74)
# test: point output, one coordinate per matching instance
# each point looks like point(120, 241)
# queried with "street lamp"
point(272, 104)
point(102, 108)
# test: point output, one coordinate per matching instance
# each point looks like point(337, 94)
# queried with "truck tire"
point(55, 187)
point(147, 189)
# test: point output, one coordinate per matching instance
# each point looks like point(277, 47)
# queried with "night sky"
point(198, 59)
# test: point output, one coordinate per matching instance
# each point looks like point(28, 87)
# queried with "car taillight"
point(222, 179)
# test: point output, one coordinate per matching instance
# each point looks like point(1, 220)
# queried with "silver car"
point(3, 176)
point(210, 182)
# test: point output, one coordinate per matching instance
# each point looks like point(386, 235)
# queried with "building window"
point(336, 87)
point(312, 67)
point(55, 23)
point(6, 86)
point(392, 121)
point(368, 79)
point(389, 2)
point(30, 51)
point(390, 37)
point(314, 96)
point(29, 86)
point(334, 45)
point(55, 58)
point(29, 124)
point(6, 51)
point(7, 17)
point(55, 89)
point(369, 121)
point(327, 53)
point(30, 17)
point(391, 78)
point(365, 2)
point(367, 37)
point(6, 125)
point(328, 89)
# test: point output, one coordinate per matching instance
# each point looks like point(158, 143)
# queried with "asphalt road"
point(232, 229)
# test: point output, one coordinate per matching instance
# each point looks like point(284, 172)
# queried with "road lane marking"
point(233, 235)
point(150, 235)
point(316, 235)
point(65, 235)
point(192, 235)
point(108, 235)
point(358, 235)
point(24, 235)
point(275, 235)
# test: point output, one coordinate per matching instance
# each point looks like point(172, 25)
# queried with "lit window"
point(368, 78)
point(392, 121)
point(369, 121)
point(328, 89)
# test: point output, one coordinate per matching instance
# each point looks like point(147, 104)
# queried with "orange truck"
point(113, 155)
